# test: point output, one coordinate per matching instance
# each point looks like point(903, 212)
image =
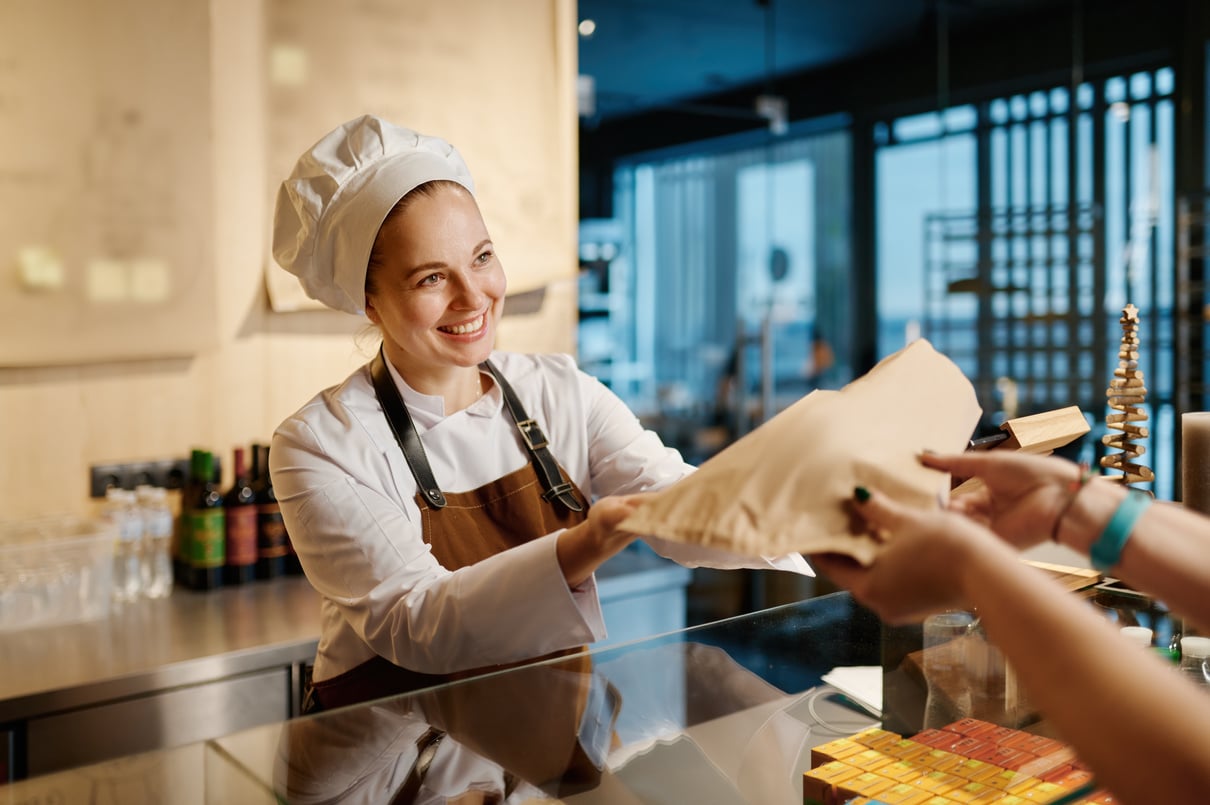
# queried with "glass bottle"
point(157, 541)
point(182, 550)
point(207, 526)
point(270, 528)
point(946, 667)
point(240, 515)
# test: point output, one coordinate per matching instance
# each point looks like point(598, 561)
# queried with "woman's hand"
point(923, 565)
point(585, 547)
point(1021, 496)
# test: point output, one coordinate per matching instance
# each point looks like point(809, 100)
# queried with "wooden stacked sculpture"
point(1126, 394)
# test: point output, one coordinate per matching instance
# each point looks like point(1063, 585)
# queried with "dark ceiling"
point(661, 54)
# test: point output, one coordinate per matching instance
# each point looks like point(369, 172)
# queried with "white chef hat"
point(330, 208)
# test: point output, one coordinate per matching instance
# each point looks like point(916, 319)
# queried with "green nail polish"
point(861, 493)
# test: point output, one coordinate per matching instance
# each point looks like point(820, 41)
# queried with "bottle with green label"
point(203, 512)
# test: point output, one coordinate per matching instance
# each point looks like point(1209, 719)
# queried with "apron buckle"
point(538, 440)
point(565, 494)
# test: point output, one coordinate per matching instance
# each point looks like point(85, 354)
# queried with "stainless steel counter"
point(187, 638)
point(196, 666)
point(154, 675)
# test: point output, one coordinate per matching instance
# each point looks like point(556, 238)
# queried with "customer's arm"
point(1167, 554)
point(1028, 499)
point(1143, 730)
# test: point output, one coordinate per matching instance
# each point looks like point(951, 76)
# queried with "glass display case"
point(725, 712)
point(736, 711)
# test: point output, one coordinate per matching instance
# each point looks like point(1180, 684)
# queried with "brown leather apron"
point(463, 528)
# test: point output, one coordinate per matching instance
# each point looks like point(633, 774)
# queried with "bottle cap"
point(1195, 647)
point(1137, 634)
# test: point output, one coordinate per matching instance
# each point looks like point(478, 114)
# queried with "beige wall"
point(57, 421)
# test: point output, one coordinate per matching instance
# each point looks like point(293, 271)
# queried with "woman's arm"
point(1143, 730)
point(1167, 554)
point(1028, 499)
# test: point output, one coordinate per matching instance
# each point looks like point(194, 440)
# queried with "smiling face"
point(435, 286)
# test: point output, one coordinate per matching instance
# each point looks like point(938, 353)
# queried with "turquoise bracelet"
point(1107, 550)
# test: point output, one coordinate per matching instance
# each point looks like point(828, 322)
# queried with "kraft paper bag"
point(787, 486)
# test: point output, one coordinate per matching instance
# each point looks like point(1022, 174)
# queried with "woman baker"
point(449, 502)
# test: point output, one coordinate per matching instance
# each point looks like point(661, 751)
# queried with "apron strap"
point(426, 746)
point(556, 485)
point(405, 431)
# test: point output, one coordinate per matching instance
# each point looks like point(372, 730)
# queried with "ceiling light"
point(587, 28)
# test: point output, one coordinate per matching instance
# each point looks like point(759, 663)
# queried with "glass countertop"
point(721, 713)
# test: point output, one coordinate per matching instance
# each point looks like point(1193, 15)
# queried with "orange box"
point(969, 747)
point(998, 734)
point(1037, 744)
point(1004, 757)
point(1058, 771)
point(971, 727)
point(819, 784)
point(1060, 758)
point(834, 750)
point(1072, 779)
point(1018, 740)
point(938, 739)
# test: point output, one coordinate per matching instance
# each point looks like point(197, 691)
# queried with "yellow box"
point(866, 784)
point(940, 782)
point(972, 792)
point(834, 750)
point(940, 760)
point(903, 794)
point(907, 749)
point(975, 770)
point(1012, 782)
point(876, 738)
point(869, 760)
point(817, 784)
point(903, 771)
point(1044, 792)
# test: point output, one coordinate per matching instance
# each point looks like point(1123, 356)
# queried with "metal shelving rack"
point(1010, 297)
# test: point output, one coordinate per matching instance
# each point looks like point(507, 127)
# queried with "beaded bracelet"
point(1073, 489)
point(1107, 550)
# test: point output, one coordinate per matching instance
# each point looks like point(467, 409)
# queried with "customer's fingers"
point(879, 511)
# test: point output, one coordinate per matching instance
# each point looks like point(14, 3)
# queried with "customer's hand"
point(922, 565)
point(584, 547)
point(1021, 495)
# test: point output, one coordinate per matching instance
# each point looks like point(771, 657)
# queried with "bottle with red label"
point(272, 544)
point(239, 506)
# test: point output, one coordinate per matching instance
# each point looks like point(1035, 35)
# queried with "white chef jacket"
point(348, 499)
